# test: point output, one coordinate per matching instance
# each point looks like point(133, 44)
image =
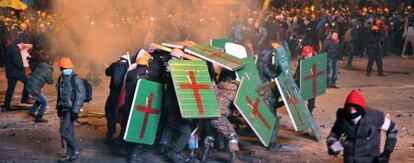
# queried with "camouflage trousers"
point(223, 126)
point(225, 129)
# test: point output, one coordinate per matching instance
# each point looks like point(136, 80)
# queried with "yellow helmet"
point(275, 45)
point(143, 59)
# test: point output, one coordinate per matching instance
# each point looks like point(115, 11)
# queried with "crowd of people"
point(339, 29)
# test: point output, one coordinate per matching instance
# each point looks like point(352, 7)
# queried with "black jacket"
point(132, 78)
point(156, 67)
point(267, 70)
point(14, 63)
point(333, 49)
point(40, 76)
point(362, 143)
point(117, 71)
point(374, 41)
point(71, 93)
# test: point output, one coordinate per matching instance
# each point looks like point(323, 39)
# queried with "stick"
point(61, 136)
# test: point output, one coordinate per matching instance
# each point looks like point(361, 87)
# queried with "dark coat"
point(363, 139)
point(333, 49)
point(156, 67)
point(117, 71)
point(374, 41)
point(267, 70)
point(40, 76)
point(132, 78)
point(14, 63)
point(71, 93)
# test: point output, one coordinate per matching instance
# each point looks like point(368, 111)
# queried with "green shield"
point(216, 56)
point(255, 112)
point(145, 113)
point(313, 76)
point(250, 72)
point(195, 93)
point(219, 43)
point(292, 98)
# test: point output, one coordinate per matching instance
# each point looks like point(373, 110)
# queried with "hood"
point(356, 98)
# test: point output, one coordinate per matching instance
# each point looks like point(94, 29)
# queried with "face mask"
point(354, 113)
point(356, 120)
point(67, 72)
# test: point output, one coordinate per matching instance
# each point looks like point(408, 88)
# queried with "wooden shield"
point(145, 113)
point(313, 76)
point(216, 56)
point(178, 45)
point(298, 112)
point(255, 112)
point(195, 93)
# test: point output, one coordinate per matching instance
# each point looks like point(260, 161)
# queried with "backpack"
point(88, 88)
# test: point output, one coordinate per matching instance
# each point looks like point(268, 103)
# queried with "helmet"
point(275, 45)
point(378, 21)
point(65, 62)
point(307, 51)
point(375, 28)
point(143, 60)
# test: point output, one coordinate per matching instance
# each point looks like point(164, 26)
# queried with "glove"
point(74, 116)
point(335, 148)
point(384, 157)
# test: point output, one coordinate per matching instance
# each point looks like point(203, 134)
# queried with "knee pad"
point(208, 141)
point(233, 143)
point(233, 138)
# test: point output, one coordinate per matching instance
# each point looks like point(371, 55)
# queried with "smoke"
point(101, 31)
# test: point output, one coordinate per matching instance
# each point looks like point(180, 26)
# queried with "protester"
point(70, 98)
point(409, 36)
point(373, 51)
point(15, 71)
point(35, 83)
point(307, 52)
point(334, 48)
point(362, 126)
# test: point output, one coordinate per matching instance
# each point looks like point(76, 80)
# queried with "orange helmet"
point(307, 51)
point(375, 28)
point(378, 22)
point(143, 59)
point(65, 62)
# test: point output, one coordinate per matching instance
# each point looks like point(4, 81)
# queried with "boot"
point(108, 139)
point(136, 155)
point(66, 158)
point(164, 149)
point(208, 144)
point(193, 157)
point(75, 155)
point(41, 121)
point(176, 157)
point(233, 156)
point(206, 153)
